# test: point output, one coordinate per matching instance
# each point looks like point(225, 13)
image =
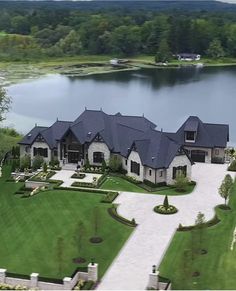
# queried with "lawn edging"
point(114, 214)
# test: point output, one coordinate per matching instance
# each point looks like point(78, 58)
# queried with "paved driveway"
point(151, 238)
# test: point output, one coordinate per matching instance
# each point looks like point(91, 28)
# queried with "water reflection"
point(166, 96)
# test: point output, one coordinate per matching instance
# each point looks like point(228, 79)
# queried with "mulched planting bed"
point(162, 210)
point(96, 240)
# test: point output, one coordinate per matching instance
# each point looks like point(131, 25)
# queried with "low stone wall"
point(34, 282)
point(34, 184)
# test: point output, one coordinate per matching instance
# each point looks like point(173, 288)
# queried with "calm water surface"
point(165, 96)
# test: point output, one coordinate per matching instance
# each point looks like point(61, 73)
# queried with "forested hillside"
point(42, 30)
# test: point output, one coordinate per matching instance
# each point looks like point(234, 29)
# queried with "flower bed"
point(161, 209)
point(78, 176)
point(42, 176)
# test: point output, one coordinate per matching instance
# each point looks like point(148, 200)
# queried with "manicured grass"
point(120, 184)
point(217, 268)
point(30, 228)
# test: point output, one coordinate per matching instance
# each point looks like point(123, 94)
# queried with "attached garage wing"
point(198, 156)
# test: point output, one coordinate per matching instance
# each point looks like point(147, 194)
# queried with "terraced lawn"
point(217, 268)
point(30, 228)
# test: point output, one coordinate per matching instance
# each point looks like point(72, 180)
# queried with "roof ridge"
point(124, 125)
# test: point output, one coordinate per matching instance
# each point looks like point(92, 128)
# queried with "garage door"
point(198, 156)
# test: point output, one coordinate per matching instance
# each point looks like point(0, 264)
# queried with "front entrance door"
point(73, 157)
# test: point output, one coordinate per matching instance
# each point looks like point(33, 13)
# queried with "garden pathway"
point(148, 243)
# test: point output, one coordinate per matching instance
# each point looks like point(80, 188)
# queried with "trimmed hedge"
point(37, 179)
point(113, 212)
point(215, 220)
point(89, 190)
point(110, 197)
point(88, 285)
point(100, 181)
point(162, 210)
point(153, 185)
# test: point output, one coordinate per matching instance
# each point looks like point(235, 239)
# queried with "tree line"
point(37, 33)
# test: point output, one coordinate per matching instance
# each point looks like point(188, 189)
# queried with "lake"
point(165, 96)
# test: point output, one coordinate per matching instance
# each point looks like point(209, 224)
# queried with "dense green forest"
point(40, 31)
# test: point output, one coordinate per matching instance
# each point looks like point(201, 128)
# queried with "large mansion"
point(146, 153)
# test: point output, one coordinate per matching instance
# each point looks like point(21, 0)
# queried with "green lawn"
point(217, 268)
point(30, 228)
point(120, 184)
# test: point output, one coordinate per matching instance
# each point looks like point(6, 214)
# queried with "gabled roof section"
point(29, 138)
point(208, 135)
point(156, 149)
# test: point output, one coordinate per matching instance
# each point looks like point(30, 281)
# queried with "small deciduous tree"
point(181, 183)
point(79, 236)
point(225, 187)
point(215, 49)
point(5, 102)
point(115, 163)
point(199, 223)
point(60, 247)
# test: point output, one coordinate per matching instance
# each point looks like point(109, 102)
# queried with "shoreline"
point(15, 72)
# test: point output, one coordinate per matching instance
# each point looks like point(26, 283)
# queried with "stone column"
point(34, 280)
point(2, 275)
point(93, 272)
point(67, 283)
point(153, 281)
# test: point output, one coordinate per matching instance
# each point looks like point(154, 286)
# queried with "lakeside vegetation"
point(33, 33)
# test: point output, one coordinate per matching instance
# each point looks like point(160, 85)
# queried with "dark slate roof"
point(156, 149)
point(208, 135)
point(29, 138)
point(50, 134)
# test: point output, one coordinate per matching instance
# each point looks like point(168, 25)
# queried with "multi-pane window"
point(135, 168)
point(181, 170)
point(98, 157)
point(43, 152)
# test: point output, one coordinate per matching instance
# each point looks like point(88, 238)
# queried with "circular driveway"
point(149, 241)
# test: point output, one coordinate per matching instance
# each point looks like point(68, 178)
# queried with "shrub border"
point(114, 214)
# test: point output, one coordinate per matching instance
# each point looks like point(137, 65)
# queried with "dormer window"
point(190, 136)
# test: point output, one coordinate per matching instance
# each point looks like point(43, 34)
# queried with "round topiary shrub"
point(161, 209)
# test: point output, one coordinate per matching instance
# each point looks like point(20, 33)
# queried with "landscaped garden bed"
point(78, 176)
point(42, 176)
point(166, 208)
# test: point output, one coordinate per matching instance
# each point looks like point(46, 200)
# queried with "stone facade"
point(218, 154)
point(98, 147)
point(134, 156)
point(42, 145)
point(180, 160)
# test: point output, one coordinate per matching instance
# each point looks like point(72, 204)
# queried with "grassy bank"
point(8, 138)
point(217, 267)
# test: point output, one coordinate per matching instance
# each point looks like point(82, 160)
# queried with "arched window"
point(98, 157)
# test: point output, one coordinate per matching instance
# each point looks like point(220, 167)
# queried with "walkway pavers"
point(149, 241)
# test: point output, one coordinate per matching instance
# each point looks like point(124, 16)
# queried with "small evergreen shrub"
point(25, 162)
point(232, 166)
point(166, 202)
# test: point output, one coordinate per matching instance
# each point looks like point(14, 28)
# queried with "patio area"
point(65, 176)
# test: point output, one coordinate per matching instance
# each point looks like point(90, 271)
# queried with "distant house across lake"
point(188, 57)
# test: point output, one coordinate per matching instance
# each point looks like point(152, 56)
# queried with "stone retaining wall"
point(34, 282)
